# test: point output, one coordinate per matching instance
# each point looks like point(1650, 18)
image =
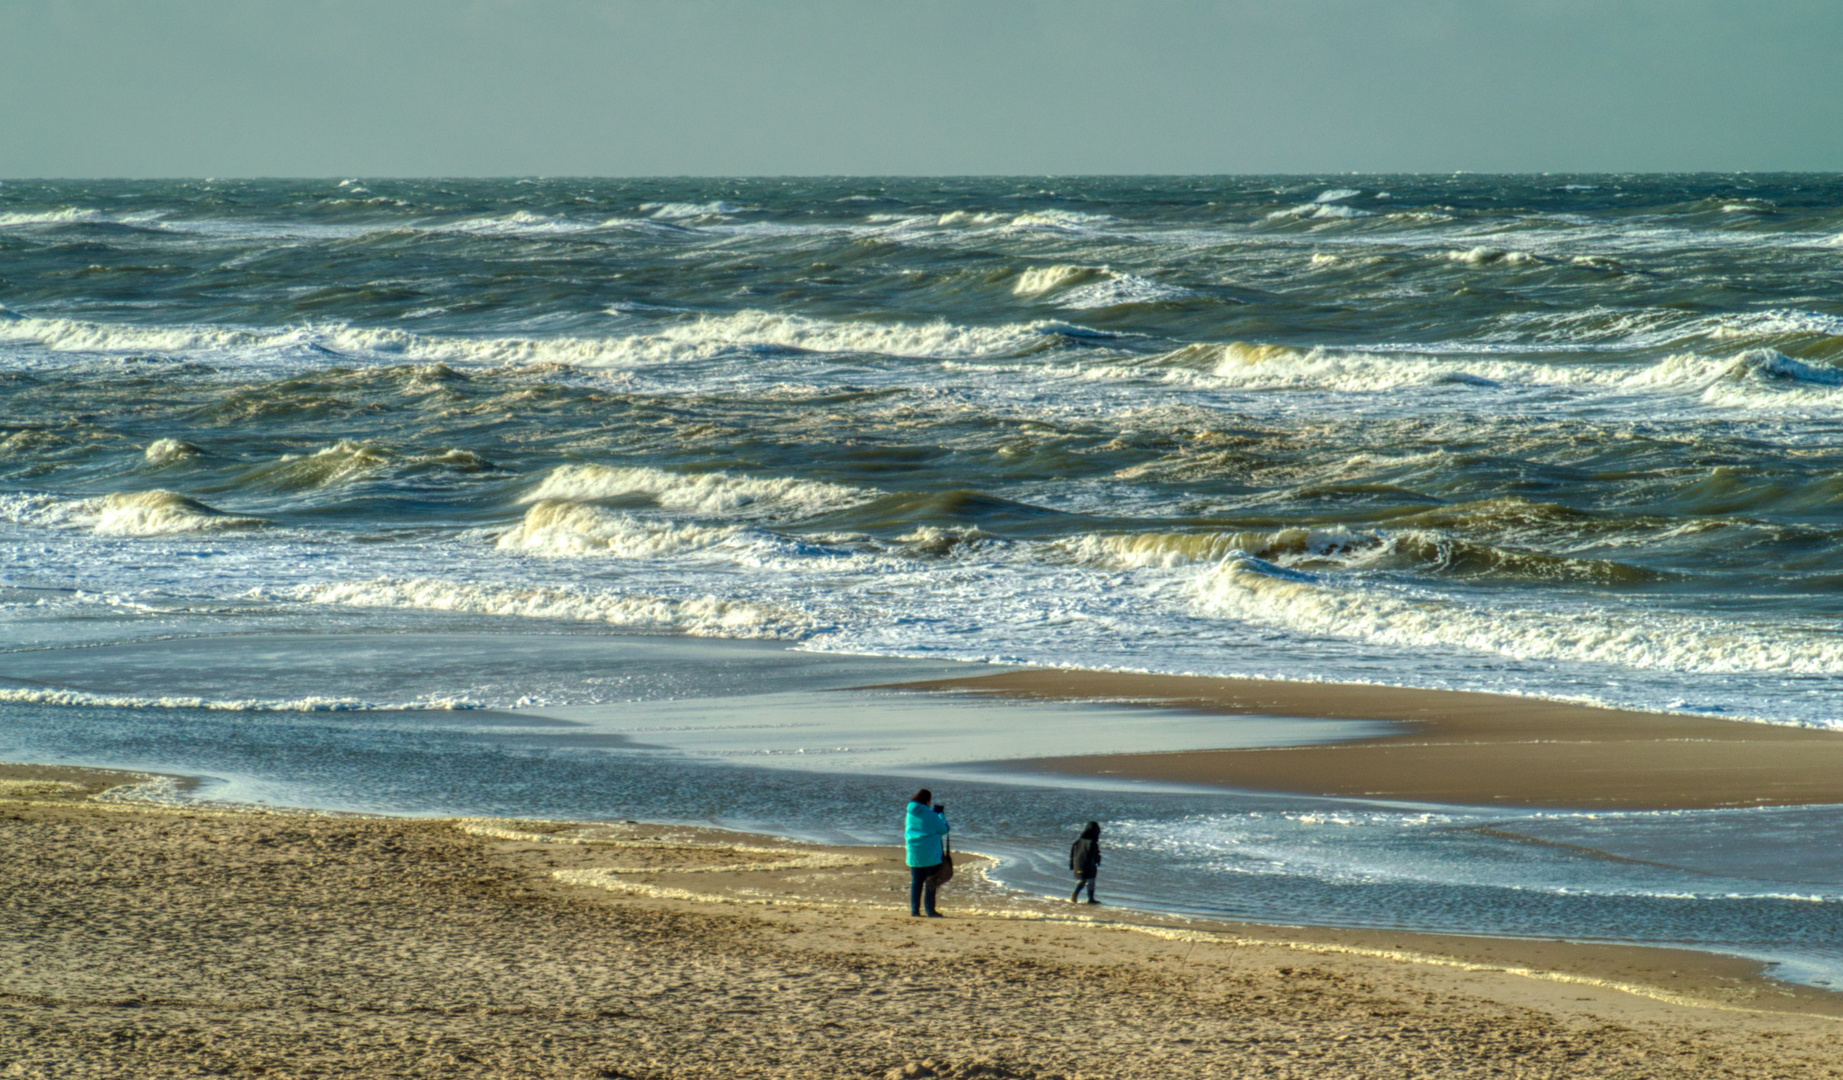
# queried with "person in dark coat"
point(1085, 860)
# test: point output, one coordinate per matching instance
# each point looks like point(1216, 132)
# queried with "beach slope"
point(178, 941)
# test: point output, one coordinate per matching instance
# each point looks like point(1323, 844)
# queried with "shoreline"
point(764, 857)
point(310, 944)
point(1454, 747)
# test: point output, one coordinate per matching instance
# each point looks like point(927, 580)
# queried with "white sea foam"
point(138, 513)
point(697, 616)
point(82, 698)
point(1261, 592)
point(969, 217)
point(1490, 256)
point(1755, 378)
point(168, 451)
point(1319, 211)
point(715, 494)
point(704, 338)
point(164, 513)
point(72, 215)
point(1331, 195)
point(570, 528)
point(1058, 219)
point(1169, 550)
point(1086, 287)
point(1751, 379)
point(1325, 260)
point(1277, 367)
point(522, 223)
point(1038, 280)
point(1777, 322)
point(1120, 289)
point(682, 211)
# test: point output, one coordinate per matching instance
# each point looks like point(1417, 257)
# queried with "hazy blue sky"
point(648, 87)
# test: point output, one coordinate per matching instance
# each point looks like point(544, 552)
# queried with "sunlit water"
point(1568, 436)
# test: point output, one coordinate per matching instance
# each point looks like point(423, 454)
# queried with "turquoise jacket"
point(923, 833)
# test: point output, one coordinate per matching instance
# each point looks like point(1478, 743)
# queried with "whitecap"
point(697, 616)
point(1260, 592)
point(557, 529)
point(714, 494)
point(703, 338)
point(1490, 256)
point(162, 452)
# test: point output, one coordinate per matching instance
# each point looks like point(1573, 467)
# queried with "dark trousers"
point(921, 887)
point(1079, 883)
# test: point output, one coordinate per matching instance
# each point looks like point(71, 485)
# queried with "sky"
point(131, 88)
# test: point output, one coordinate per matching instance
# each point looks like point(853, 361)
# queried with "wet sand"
point(1453, 747)
point(158, 940)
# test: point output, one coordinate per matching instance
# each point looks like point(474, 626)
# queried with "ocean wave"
point(714, 494)
point(85, 699)
point(1777, 322)
point(1087, 287)
point(1250, 366)
point(163, 452)
point(970, 217)
point(697, 616)
point(524, 223)
point(340, 463)
point(1317, 211)
point(1058, 219)
point(570, 528)
point(1423, 551)
point(1039, 280)
point(1260, 592)
point(140, 513)
point(164, 513)
point(1323, 260)
point(704, 338)
point(1750, 379)
point(1491, 256)
point(64, 216)
point(684, 211)
point(1331, 195)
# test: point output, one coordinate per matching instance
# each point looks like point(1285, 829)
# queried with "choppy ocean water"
point(1567, 436)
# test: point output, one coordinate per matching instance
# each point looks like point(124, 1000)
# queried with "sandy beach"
point(1453, 747)
point(162, 940)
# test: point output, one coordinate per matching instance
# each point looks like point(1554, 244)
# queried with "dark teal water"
point(1573, 436)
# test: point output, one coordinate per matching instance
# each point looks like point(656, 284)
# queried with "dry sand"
point(155, 941)
point(1452, 747)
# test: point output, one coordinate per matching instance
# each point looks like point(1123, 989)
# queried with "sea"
point(605, 498)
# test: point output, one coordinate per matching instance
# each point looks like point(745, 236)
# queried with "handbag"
point(945, 873)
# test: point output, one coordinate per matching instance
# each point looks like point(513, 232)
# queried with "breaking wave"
point(1421, 551)
point(339, 463)
point(714, 494)
point(1490, 256)
point(699, 616)
point(82, 698)
point(162, 452)
point(570, 528)
point(1754, 378)
point(703, 338)
point(1257, 591)
point(1087, 287)
point(140, 513)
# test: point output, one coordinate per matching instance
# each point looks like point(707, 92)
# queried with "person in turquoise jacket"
point(926, 825)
